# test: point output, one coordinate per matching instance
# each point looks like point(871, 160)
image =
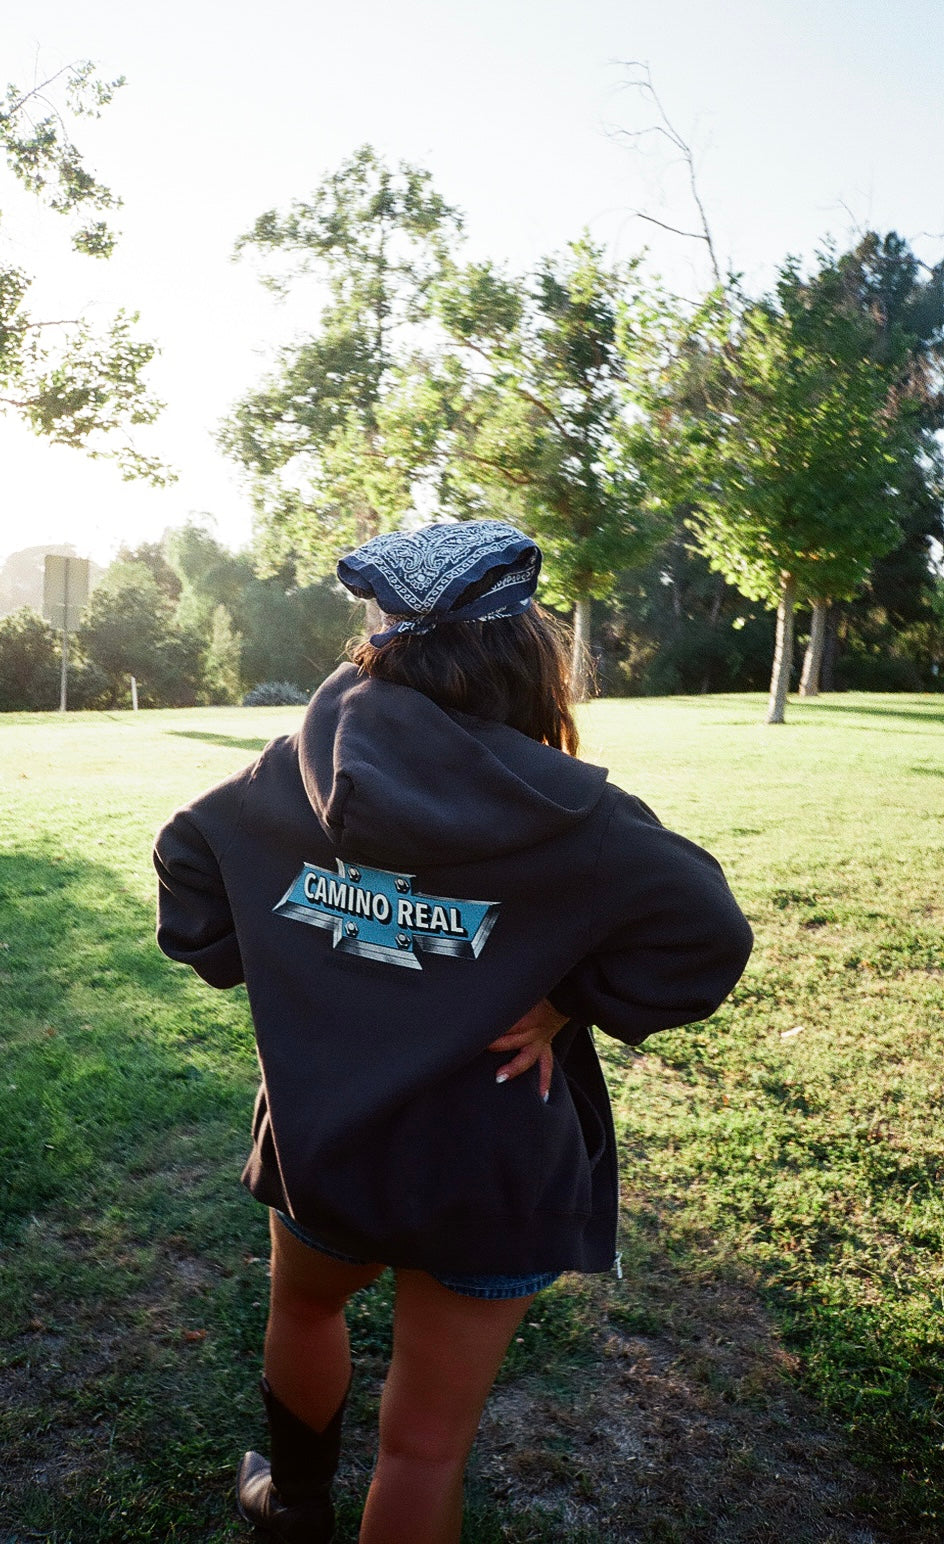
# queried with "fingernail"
point(546, 1096)
point(502, 1077)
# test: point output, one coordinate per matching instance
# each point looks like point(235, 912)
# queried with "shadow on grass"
point(869, 710)
point(232, 742)
point(134, 1292)
point(108, 1048)
point(133, 1289)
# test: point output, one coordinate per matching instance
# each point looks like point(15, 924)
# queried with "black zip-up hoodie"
point(397, 885)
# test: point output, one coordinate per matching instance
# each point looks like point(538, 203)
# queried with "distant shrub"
point(29, 663)
point(275, 694)
point(90, 687)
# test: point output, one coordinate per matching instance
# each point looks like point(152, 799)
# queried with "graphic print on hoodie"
point(379, 1124)
point(379, 916)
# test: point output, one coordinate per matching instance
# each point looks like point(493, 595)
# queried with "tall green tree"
point(798, 448)
point(128, 629)
point(69, 381)
point(153, 557)
point(287, 632)
point(208, 575)
point(550, 417)
point(293, 633)
point(901, 305)
point(222, 680)
point(337, 437)
point(886, 637)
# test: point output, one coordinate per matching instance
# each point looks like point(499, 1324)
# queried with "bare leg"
point(447, 1350)
point(307, 1352)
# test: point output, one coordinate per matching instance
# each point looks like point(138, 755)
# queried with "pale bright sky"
point(807, 117)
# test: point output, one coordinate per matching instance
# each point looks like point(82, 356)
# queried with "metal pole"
point(63, 679)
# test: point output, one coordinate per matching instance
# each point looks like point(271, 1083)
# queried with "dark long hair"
point(513, 670)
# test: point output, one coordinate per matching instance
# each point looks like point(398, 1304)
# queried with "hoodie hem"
point(474, 1242)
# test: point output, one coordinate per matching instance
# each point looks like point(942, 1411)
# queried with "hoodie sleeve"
point(194, 921)
point(673, 940)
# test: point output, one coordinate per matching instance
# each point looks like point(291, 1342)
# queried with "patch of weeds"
point(370, 1320)
point(901, 947)
point(788, 899)
point(634, 1319)
point(558, 1332)
point(484, 1523)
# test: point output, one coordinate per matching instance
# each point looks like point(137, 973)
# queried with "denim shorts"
point(488, 1285)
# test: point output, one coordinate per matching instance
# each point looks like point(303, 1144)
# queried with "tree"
point(29, 663)
point(221, 669)
point(887, 638)
point(153, 557)
point(128, 629)
point(882, 284)
point(286, 632)
point(68, 382)
point(335, 439)
point(292, 634)
point(674, 626)
point(549, 417)
point(207, 575)
point(798, 449)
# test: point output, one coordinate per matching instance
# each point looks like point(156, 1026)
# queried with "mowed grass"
point(788, 1153)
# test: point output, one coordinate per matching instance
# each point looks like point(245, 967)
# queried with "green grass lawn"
point(783, 1163)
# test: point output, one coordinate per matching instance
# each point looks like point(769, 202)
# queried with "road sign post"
point(65, 592)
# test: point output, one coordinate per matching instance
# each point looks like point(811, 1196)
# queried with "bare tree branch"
point(62, 321)
point(925, 236)
point(664, 127)
point(37, 91)
point(518, 480)
point(695, 235)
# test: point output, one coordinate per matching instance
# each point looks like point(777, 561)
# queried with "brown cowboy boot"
point(289, 1497)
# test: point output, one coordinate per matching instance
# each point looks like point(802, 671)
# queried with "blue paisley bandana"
point(420, 578)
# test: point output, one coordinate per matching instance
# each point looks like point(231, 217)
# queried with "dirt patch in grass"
point(669, 1416)
point(689, 1438)
point(683, 1429)
point(71, 1361)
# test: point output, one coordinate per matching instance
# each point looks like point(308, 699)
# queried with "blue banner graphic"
point(377, 915)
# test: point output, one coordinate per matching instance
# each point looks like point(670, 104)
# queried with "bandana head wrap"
point(421, 578)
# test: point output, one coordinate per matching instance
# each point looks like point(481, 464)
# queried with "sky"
point(807, 118)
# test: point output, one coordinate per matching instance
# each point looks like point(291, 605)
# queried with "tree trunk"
point(580, 658)
point(827, 675)
point(813, 658)
point(783, 652)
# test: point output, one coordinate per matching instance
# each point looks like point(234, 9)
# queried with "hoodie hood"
point(392, 777)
